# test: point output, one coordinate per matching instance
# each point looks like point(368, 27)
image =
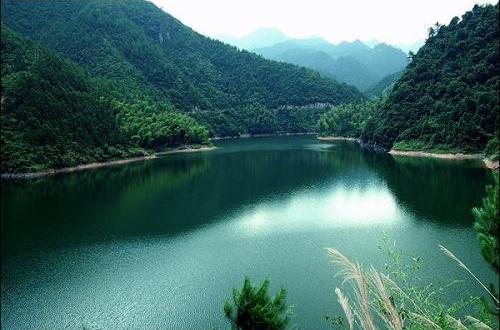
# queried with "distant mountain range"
point(354, 63)
point(357, 63)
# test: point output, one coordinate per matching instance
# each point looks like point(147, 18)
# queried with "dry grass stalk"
point(424, 320)
point(393, 319)
point(476, 324)
point(461, 264)
point(344, 302)
point(351, 271)
point(362, 312)
point(457, 324)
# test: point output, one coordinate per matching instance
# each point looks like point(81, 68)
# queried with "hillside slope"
point(51, 111)
point(140, 48)
point(447, 98)
point(383, 85)
point(55, 114)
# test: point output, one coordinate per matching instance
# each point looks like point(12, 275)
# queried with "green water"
point(159, 244)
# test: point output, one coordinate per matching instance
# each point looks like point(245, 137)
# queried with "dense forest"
point(105, 79)
point(135, 79)
point(136, 43)
point(54, 114)
point(447, 98)
point(347, 120)
point(384, 85)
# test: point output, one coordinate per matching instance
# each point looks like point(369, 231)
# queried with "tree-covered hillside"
point(384, 85)
point(447, 98)
point(54, 114)
point(106, 80)
point(347, 120)
point(140, 48)
point(51, 113)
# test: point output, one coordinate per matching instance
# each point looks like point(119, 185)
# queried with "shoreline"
point(248, 136)
point(491, 164)
point(336, 138)
point(415, 153)
point(33, 175)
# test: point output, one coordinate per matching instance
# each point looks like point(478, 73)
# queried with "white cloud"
point(393, 21)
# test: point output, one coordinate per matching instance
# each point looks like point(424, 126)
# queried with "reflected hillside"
point(169, 195)
point(94, 205)
point(179, 193)
point(439, 190)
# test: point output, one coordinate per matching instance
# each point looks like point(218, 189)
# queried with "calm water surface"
point(160, 244)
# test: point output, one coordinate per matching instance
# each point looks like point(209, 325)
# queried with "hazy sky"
point(392, 21)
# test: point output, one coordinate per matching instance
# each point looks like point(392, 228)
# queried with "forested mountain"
point(136, 43)
point(447, 98)
point(106, 78)
point(54, 114)
point(351, 62)
point(51, 109)
point(384, 85)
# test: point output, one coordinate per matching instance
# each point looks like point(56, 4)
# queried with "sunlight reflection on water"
point(334, 207)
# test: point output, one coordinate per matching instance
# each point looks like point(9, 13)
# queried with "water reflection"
point(135, 245)
point(335, 206)
point(300, 176)
point(437, 190)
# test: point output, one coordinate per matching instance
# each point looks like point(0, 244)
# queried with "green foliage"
point(491, 149)
point(347, 120)
point(300, 120)
point(487, 225)
point(448, 95)
point(157, 126)
point(257, 119)
point(384, 85)
point(252, 308)
point(136, 45)
point(399, 298)
point(118, 65)
point(52, 113)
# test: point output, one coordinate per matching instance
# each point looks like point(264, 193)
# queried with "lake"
point(161, 243)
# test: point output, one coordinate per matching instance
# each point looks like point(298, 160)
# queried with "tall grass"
point(377, 301)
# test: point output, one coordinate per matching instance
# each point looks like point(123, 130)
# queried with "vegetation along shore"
point(32, 175)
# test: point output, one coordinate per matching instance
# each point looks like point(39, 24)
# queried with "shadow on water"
point(437, 190)
point(166, 196)
point(181, 192)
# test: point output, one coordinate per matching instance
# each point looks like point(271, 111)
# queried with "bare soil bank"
point(491, 164)
point(336, 138)
point(435, 155)
point(101, 164)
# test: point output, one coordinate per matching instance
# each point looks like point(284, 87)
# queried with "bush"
point(253, 308)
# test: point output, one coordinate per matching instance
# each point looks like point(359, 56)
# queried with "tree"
point(486, 225)
point(446, 100)
point(254, 309)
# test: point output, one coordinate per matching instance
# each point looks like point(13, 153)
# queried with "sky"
point(391, 21)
